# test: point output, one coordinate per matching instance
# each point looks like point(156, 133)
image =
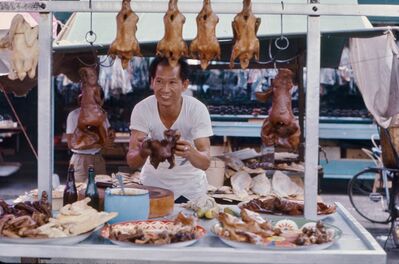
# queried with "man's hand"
point(184, 148)
point(198, 153)
point(144, 146)
point(138, 149)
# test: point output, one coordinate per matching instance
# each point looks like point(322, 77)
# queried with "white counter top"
point(355, 246)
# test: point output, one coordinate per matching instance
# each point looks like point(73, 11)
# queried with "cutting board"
point(161, 200)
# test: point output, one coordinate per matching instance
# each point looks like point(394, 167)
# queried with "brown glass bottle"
point(91, 190)
point(70, 192)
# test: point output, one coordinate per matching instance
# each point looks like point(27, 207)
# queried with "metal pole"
point(45, 105)
point(312, 114)
point(219, 7)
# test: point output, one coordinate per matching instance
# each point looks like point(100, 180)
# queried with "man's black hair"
point(184, 69)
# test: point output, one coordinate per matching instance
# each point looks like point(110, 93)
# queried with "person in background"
point(169, 109)
point(82, 158)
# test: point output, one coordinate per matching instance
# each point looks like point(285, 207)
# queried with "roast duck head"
point(205, 46)
point(280, 128)
point(172, 45)
point(91, 131)
point(246, 44)
point(162, 150)
point(125, 46)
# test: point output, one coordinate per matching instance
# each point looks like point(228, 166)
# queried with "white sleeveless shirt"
point(193, 122)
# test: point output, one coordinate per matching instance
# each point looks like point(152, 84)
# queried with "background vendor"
point(166, 109)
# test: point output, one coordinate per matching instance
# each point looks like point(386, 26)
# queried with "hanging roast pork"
point(205, 46)
point(172, 45)
point(280, 128)
point(125, 46)
point(91, 131)
point(23, 41)
point(246, 44)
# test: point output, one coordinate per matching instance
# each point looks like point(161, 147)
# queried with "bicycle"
point(373, 191)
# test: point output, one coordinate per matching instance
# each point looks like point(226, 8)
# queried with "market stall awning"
point(334, 30)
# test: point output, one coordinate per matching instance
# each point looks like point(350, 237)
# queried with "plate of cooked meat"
point(31, 223)
point(181, 232)
point(276, 206)
point(251, 231)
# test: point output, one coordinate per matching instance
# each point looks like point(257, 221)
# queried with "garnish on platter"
point(252, 231)
point(180, 232)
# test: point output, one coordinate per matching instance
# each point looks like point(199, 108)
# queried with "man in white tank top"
point(169, 109)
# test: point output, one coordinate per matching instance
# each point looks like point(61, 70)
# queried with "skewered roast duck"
point(90, 131)
point(163, 150)
point(280, 128)
point(205, 46)
point(246, 45)
point(172, 45)
point(125, 46)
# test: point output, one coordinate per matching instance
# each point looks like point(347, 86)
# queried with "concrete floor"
point(12, 186)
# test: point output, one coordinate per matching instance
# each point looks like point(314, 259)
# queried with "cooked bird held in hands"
point(125, 46)
point(205, 46)
point(246, 45)
point(163, 150)
point(172, 45)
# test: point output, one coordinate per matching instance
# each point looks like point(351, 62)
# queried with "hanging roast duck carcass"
point(280, 128)
point(205, 46)
point(91, 131)
point(172, 45)
point(246, 44)
point(125, 46)
point(23, 41)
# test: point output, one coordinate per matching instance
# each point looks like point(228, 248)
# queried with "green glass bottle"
point(91, 190)
point(70, 192)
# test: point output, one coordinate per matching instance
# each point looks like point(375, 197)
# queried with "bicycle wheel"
point(370, 204)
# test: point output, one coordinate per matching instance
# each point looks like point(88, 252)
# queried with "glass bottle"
point(91, 189)
point(70, 191)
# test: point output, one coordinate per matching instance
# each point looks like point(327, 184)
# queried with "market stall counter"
point(356, 245)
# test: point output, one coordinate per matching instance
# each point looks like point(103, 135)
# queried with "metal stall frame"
point(313, 10)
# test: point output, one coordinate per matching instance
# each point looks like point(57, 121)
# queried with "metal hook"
point(282, 38)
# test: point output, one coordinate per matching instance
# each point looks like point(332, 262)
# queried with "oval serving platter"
point(278, 243)
point(152, 226)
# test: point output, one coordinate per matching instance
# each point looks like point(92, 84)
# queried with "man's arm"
point(136, 155)
point(199, 156)
point(69, 140)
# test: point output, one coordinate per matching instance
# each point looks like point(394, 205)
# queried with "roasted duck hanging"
point(205, 46)
point(23, 41)
point(91, 130)
point(280, 128)
point(125, 46)
point(246, 44)
point(172, 45)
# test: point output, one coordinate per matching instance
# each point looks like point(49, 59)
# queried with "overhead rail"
point(226, 7)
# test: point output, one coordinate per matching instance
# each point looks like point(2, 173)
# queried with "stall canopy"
point(335, 31)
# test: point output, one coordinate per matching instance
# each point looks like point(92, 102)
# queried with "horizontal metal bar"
point(195, 7)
